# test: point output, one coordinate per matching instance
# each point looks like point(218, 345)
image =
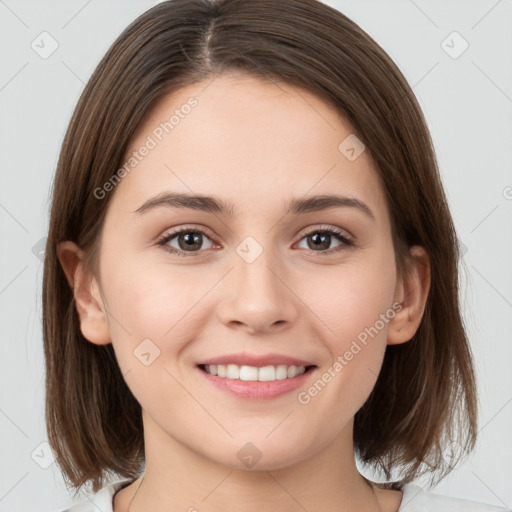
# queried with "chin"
point(261, 456)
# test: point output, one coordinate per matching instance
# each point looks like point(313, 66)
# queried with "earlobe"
point(89, 303)
point(412, 293)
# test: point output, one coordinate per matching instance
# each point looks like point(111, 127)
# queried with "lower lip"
point(257, 390)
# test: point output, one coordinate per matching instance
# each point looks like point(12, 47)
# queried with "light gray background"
point(468, 105)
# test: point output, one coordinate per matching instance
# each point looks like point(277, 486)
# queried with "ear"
point(411, 292)
point(86, 291)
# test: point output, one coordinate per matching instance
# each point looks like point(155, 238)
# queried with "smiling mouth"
point(255, 373)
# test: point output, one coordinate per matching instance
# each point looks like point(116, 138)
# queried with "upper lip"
point(255, 360)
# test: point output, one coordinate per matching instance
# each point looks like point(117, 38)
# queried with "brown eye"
point(187, 240)
point(320, 240)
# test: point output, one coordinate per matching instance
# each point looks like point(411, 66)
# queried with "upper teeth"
point(233, 371)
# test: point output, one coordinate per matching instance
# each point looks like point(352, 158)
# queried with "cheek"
point(353, 321)
point(152, 302)
point(154, 316)
point(354, 307)
point(354, 298)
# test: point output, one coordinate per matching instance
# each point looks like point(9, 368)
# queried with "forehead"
point(248, 140)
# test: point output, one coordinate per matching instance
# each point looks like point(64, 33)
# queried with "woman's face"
point(253, 279)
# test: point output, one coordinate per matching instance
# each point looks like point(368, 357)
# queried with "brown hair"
point(425, 395)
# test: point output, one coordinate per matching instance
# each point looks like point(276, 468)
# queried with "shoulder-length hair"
point(425, 396)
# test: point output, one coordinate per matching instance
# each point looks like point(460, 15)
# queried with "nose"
point(257, 296)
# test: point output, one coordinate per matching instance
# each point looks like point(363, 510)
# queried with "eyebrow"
point(212, 204)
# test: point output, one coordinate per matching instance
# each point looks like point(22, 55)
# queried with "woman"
point(251, 272)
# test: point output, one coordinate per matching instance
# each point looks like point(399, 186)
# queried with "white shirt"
point(415, 499)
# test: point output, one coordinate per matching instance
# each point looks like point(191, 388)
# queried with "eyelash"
point(323, 230)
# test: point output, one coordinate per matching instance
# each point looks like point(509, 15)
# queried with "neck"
point(178, 478)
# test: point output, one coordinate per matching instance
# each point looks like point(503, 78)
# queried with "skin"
point(256, 144)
